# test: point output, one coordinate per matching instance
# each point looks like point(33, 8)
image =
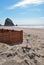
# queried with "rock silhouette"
point(8, 22)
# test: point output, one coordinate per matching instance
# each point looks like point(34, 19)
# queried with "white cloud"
point(25, 2)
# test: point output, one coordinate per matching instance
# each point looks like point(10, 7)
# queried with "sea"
point(32, 26)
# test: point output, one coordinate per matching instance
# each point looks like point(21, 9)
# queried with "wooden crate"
point(11, 36)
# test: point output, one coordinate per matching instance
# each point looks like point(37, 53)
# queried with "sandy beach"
point(20, 55)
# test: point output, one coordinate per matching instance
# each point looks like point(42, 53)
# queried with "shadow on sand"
point(11, 44)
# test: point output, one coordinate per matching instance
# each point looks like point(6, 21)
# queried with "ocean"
point(32, 26)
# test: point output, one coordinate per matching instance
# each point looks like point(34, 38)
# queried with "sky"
point(22, 12)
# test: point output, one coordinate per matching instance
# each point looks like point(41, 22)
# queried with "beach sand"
point(20, 55)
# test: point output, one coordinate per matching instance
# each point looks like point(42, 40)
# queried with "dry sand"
point(19, 54)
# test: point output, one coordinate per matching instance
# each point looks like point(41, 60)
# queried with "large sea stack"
point(8, 22)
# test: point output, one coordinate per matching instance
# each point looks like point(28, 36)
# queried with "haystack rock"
point(8, 22)
point(0, 25)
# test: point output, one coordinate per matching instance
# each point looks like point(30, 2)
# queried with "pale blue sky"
point(22, 11)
